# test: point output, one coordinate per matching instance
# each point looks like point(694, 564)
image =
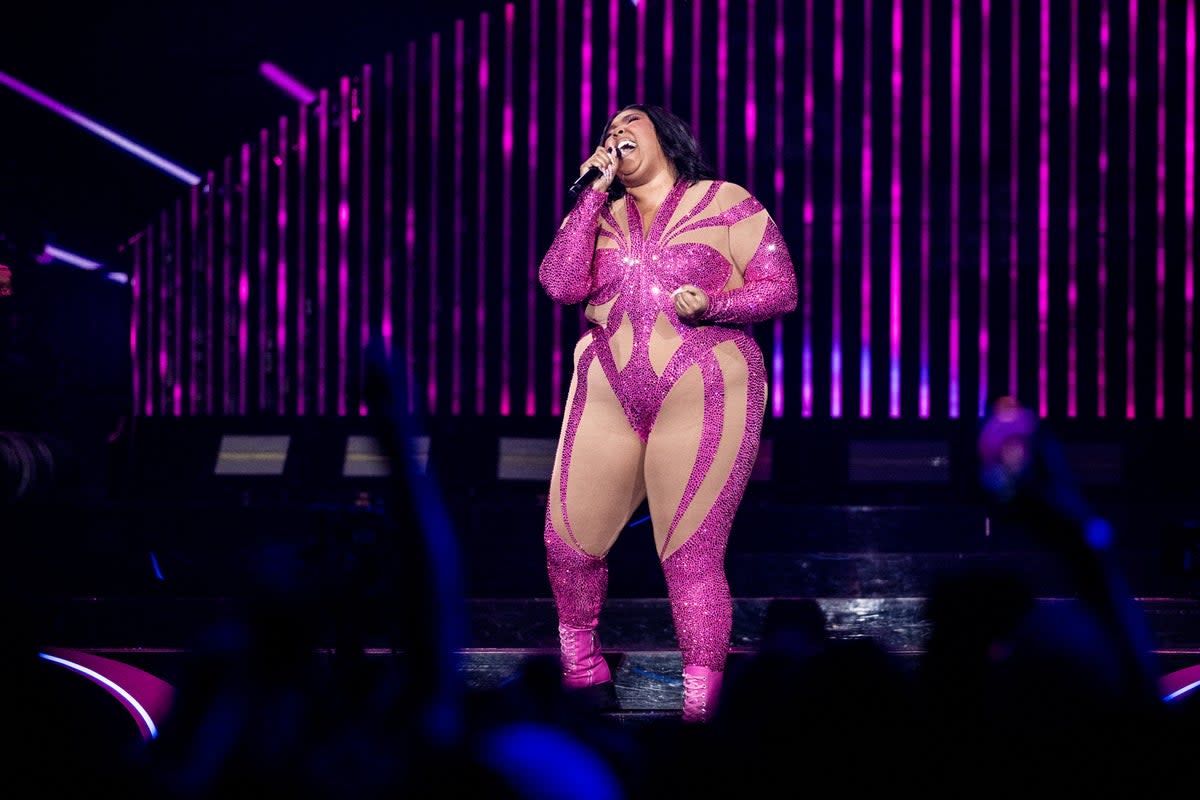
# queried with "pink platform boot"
point(701, 691)
point(583, 664)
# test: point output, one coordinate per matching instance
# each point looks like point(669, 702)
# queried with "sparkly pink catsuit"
point(660, 409)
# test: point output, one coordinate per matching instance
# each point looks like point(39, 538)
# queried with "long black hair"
point(678, 144)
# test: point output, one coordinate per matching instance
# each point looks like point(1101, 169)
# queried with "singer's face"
point(632, 135)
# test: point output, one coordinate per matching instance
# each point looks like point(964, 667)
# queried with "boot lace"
point(695, 696)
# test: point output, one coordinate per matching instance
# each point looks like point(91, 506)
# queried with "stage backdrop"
point(981, 197)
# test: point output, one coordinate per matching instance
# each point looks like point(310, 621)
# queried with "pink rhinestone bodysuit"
point(692, 393)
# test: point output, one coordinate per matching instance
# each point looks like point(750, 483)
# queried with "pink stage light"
point(287, 82)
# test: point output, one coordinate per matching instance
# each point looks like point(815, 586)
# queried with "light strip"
point(556, 309)
point(1014, 163)
point(286, 82)
point(533, 218)
point(264, 267)
point(506, 138)
point(923, 400)
point(867, 166)
point(343, 246)
point(895, 256)
point(640, 55)
point(1132, 235)
point(1073, 226)
point(460, 235)
point(481, 259)
point(1160, 172)
point(1043, 232)
point(1102, 222)
point(281, 268)
point(1189, 215)
point(955, 348)
point(243, 284)
point(323, 110)
point(227, 285)
point(806, 281)
point(67, 257)
point(410, 230)
point(722, 82)
point(110, 684)
point(435, 121)
point(668, 47)
point(985, 159)
point(839, 74)
point(697, 58)
point(100, 130)
point(777, 366)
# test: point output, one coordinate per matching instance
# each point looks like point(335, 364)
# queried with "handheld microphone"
point(583, 180)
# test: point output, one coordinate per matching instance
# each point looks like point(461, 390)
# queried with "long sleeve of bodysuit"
point(769, 288)
point(566, 270)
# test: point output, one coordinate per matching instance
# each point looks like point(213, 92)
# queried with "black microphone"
point(583, 180)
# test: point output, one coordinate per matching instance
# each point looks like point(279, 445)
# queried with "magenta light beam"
point(1043, 274)
point(923, 377)
point(985, 157)
point(481, 260)
point(894, 321)
point(95, 127)
point(1131, 249)
point(506, 144)
point(287, 82)
point(777, 389)
point(1160, 195)
point(343, 244)
point(1014, 163)
point(1102, 220)
point(1189, 215)
point(1073, 226)
point(556, 316)
point(955, 381)
point(531, 243)
point(839, 70)
point(456, 311)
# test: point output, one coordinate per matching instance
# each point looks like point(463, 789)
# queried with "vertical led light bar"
point(506, 138)
point(750, 127)
point(531, 221)
point(210, 290)
point(614, 58)
point(323, 111)
point(1160, 196)
point(149, 284)
point(228, 289)
point(281, 266)
point(556, 316)
point(985, 211)
point(954, 408)
point(1014, 169)
point(1102, 221)
point(162, 251)
point(177, 323)
point(640, 54)
point(1043, 279)
point(195, 342)
point(585, 82)
point(343, 244)
point(264, 268)
point(806, 266)
point(1073, 225)
point(697, 58)
point(482, 217)
point(668, 49)
point(1131, 249)
point(410, 230)
point(243, 281)
point(923, 340)
point(365, 260)
point(456, 310)
point(387, 329)
point(301, 338)
point(839, 72)
point(895, 286)
point(135, 320)
point(434, 124)
point(1189, 216)
point(867, 160)
point(722, 82)
point(777, 388)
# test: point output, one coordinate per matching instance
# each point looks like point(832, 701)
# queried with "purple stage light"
point(95, 127)
point(287, 82)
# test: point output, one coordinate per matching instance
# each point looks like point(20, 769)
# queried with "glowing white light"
point(98, 129)
point(58, 254)
point(98, 678)
point(1182, 691)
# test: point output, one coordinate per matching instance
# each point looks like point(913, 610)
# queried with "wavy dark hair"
point(678, 143)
